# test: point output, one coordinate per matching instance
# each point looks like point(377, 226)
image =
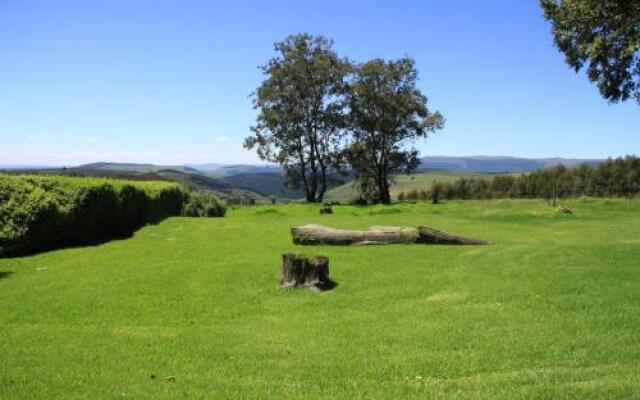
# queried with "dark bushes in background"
point(618, 177)
point(203, 204)
point(46, 212)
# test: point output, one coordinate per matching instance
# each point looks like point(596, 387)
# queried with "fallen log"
point(318, 234)
point(312, 273)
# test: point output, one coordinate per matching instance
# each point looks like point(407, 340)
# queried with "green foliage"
point(548, 311)
point(387, 111)
point(43, 212)
point(614, 178)
point(301, 112)
point(318, 112)
point(604, 36)
point(203, 204)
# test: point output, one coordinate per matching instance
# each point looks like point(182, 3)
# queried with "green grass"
point(549, 310)
point(406, 183)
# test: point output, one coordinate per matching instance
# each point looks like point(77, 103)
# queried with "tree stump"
point(300, 271)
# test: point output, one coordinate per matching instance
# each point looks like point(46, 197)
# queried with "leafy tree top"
point(602, 36)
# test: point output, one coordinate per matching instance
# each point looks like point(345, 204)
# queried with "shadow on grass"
point(329, 284)
point(94, 242)
point(19, 252)
point(5, 274)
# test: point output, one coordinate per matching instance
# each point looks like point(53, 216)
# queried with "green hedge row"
point(39, 212)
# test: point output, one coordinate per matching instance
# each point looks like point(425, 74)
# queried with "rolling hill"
point(266, 180)
point(497, 165)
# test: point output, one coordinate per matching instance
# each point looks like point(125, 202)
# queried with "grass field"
point(549, 310)
point(406, 183)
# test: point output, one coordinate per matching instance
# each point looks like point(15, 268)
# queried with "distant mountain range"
point(496, 165)
point(267, 180)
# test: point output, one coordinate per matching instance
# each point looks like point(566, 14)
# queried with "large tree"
point(387, 113)
point(300, 123)
point(604, 37)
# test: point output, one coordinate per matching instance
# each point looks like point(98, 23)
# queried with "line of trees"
point(319, 114)
point(618, 177)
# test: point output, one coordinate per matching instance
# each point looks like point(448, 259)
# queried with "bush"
point(40, 212)
point(203, 204)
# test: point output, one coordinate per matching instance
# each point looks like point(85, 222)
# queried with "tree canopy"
point(387, 112)
point(602, 36)
point(319, 112)
point(300, 121)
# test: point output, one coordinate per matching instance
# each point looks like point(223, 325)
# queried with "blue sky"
point(169, 81)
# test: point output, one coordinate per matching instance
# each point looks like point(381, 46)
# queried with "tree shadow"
point(5, 274)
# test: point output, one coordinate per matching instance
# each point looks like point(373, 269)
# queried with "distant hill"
point(267, 180)
point(496, 165)
point(133, 167)
point(193, 180)
point(207, 167)
point(266, 183)
point(241, 169)
point(261, 180)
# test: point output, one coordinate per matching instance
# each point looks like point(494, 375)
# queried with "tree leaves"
point(604, 36)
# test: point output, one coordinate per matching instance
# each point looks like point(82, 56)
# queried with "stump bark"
point(312, 273)
point(318, 234)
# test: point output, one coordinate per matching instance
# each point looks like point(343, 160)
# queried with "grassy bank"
point(549, 310)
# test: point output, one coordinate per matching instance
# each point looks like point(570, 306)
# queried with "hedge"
point(40, 212)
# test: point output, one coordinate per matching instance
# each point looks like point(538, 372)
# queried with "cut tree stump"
point(312, 273)
point(318, 234)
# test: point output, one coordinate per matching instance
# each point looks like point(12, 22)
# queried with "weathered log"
point(318, 234)
point(298, 270)
point(433, 236)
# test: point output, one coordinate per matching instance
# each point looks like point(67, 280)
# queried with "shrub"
point(40, 212)
point(203, 204)
point(412, 195)
point(358, 201)
point(326, 210)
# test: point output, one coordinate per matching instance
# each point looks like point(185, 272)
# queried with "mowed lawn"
point(549, 310)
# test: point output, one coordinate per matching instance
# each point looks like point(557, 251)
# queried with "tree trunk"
point(318, 234)
point(385, 196)
point(297, 270)
point(323, 182)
